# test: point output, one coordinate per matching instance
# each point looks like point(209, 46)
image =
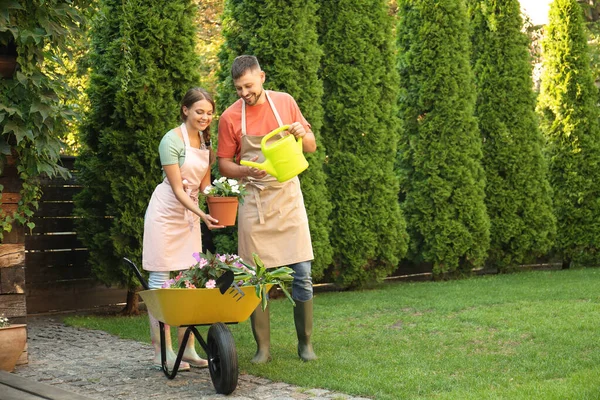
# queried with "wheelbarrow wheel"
point(222, 358)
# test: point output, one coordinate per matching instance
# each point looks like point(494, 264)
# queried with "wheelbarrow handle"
point(137, 273)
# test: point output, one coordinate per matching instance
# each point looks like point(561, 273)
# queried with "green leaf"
point(22, 78)
point(10, 4)
point(41, 108)
point(11, 110)
point(16, 129)
point(4, 148)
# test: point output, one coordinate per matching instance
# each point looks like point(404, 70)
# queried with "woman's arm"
point(174, 176)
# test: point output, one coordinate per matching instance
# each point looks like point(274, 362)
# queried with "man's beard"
point(256, 99)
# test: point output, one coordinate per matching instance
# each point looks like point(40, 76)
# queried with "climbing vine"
point(33, 111)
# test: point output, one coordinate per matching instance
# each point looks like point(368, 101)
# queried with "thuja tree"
point(569, 118)
point(33, 113)
point(518, 194)
point(142, 62)
point(283, 36)
point(361, 133)
point(442, 180)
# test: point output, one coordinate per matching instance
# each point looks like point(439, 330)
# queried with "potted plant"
point(223, 197)
point(13, 338)
point(8, 58)
point(209, 267)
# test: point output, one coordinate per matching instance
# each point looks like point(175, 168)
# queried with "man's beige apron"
point(272, 222)
point(172, 232)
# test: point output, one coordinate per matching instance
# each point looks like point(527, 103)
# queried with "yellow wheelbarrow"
point(226, 304)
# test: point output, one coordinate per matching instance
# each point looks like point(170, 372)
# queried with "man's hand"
point(297, 129)
point(255, 172)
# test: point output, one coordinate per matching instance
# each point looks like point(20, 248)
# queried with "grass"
point(531, 335)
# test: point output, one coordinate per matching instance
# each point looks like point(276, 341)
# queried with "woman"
point(172, 222)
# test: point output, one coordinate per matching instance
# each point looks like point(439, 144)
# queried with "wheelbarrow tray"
point(181, 307)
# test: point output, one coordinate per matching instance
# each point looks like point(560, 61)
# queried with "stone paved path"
point(102, 366)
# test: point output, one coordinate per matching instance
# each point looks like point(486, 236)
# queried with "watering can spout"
point(265, 166)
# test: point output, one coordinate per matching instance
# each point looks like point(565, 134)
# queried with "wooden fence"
point(56, 269)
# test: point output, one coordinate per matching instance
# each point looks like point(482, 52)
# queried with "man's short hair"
point(243, 64)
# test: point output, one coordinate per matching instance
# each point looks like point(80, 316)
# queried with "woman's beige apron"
point(172, 232)
point(272, 222)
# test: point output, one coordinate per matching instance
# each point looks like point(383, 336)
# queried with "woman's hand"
point(211, 223)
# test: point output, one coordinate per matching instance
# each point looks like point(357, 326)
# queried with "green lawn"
point(531, 335)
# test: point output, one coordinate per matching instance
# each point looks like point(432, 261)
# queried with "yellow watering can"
point(283, 159)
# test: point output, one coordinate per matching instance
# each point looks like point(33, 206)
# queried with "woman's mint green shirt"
point(171, 150)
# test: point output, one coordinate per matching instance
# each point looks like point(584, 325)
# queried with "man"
point(272, 222)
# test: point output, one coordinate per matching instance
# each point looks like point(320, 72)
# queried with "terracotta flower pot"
point(223, 209)
point(12, 343)
point(8, 65)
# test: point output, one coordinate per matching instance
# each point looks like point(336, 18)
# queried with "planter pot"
point(223, 208)
point(12, 343)
point(8, 65)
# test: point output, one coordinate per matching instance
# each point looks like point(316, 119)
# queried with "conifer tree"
point(142, 63)
point(283, 36)
point(442, 180)
point(569, 119)
point(361, 134)
point(518, 194)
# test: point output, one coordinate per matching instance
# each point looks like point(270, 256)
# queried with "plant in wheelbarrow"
point(231, 271)
point(215, 291)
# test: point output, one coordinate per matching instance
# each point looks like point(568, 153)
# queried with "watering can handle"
point(263, 142)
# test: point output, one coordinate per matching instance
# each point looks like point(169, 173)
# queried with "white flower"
point(207, 189)
point(232, 182)
point(222, 179)
point(235, 190)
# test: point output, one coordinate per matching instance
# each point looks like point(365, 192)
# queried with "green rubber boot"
point(303, 317)
point(261, 329)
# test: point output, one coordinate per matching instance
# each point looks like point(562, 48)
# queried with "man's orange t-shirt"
point(260, 120)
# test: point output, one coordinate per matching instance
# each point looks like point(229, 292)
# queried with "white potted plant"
point(223, 197)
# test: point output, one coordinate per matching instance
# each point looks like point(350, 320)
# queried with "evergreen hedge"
point(569, 118)
point(283, 36)
point(361, 133)
point(142, 63)
point(442, 180)
point(518, 194)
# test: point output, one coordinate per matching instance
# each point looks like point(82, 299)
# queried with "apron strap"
point(277, 117)
point(186, 138)
point(188, 214)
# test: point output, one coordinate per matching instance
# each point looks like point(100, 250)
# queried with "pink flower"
point(202, 263)
point(223, 258)
point(211, 284)
point(168, 284)
point(197, 257)
point(179, 276)
point(189, 285)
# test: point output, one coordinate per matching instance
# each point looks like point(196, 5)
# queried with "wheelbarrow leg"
point(163, 352)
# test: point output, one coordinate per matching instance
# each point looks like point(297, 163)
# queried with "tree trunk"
point(566, 264)
point(133, 302)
